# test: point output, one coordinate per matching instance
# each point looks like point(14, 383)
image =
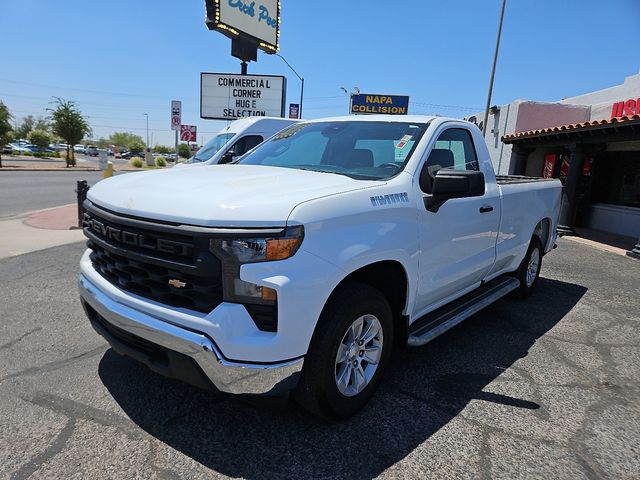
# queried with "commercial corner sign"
point(259, 19)
point(176, 114)
point(227, 96)
point(188, 133)
point(366, 103)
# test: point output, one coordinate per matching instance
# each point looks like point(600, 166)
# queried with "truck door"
point(457, 243)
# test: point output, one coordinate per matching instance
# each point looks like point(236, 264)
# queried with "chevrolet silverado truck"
point(303, 264)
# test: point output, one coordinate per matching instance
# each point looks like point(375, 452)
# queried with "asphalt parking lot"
point(542, 388)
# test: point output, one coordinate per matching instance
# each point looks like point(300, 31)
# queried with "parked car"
point(236, 139)
point(301, 266)
point(7, 149)
point(79, 149)
point(22, 147)
point(129, 154)
point(91, 150)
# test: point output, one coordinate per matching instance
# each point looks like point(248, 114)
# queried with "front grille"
point(202, 294)
point(195, 273)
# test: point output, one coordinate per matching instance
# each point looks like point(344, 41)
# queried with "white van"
point(236, 139)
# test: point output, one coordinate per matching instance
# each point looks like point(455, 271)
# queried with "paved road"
point(22, 192)
point(545, 388)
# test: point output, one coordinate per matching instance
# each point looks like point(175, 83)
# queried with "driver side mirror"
point(227, 157)
point(448, 183)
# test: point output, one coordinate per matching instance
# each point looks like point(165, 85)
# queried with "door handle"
point(486, 209)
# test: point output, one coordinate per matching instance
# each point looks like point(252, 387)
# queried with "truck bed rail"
point(511, 179)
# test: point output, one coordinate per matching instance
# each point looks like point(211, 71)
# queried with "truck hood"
point(219, 195)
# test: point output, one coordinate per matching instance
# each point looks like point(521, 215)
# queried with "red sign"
point(188, 133)
point(626, 109)
point(549, 165)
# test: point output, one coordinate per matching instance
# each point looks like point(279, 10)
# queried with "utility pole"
point(301, 81)
point(493, 71)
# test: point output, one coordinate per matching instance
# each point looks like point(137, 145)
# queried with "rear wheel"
point(348, 353)
point(529, 270)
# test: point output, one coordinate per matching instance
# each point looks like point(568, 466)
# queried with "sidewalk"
point(38, 230)
point(603, 241)
point(21, 163)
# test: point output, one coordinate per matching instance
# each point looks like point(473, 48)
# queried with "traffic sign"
point(188, 133)
point(176, 114)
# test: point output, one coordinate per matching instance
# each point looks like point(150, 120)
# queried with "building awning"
point(622, 128)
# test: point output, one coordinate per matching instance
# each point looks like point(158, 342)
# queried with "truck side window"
point(245, 144)
point(453, 149)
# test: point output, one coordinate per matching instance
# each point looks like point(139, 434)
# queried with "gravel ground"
point(542, 388)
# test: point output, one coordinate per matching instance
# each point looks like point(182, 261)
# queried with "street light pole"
point(493, 71)
point(301, 81)
point(355, 90)
point(147, 115)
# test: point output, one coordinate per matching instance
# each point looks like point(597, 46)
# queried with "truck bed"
point(511, 179)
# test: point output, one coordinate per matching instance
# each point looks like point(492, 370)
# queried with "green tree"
point(162, 149)
point(40, 138)
point(125, 139)
point(68, 123)
point(41, 124)
point(5, 128)
point(184, 150)
point(25, 127)
point(136, 146)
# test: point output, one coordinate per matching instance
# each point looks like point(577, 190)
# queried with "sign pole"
point(177, 156)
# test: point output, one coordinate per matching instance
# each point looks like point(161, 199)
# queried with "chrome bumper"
point(226, 376)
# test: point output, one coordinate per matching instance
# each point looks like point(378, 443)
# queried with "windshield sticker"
point(379, 200)
point(403, 141)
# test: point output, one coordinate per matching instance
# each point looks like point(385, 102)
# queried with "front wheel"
point(529, 270)
point(348, 353)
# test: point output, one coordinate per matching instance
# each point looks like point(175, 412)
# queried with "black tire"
point(525, 289)
point(317, 392)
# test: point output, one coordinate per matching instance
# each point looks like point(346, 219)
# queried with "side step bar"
point(439, 321)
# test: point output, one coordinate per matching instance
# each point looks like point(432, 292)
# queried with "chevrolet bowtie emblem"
point(174, 282)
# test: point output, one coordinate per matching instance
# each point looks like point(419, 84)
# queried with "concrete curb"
point(20, 169)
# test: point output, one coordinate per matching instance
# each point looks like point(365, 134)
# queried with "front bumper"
point(224, 375)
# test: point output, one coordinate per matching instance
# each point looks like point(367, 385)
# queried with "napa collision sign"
point(258, 20)
point(366, 103)
point(227, 96)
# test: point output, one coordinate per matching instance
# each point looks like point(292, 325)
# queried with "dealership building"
point(590, 142)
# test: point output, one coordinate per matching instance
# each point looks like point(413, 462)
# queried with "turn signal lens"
point(269, 294)
point(281, 248)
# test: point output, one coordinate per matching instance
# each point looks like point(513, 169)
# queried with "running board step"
point(439, 321)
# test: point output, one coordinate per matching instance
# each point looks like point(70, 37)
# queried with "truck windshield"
point(359, 149)
point(211, 147)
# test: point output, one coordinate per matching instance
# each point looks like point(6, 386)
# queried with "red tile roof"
point(571, 127)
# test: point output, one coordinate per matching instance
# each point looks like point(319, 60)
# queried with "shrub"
point(136, 162)
point(184, 151)
point(47, 154)
point(161, 162)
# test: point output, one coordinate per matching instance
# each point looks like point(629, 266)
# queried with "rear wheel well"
point(542, 231)
point(390, 278)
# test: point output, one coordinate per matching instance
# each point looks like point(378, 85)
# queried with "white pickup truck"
point(303, 264)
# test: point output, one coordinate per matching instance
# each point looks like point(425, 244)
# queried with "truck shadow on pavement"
point(423, 391)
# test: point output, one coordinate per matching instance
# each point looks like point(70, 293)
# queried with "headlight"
point(236, 251)
point(251, 250)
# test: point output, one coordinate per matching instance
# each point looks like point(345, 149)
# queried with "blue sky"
point(123, 58)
